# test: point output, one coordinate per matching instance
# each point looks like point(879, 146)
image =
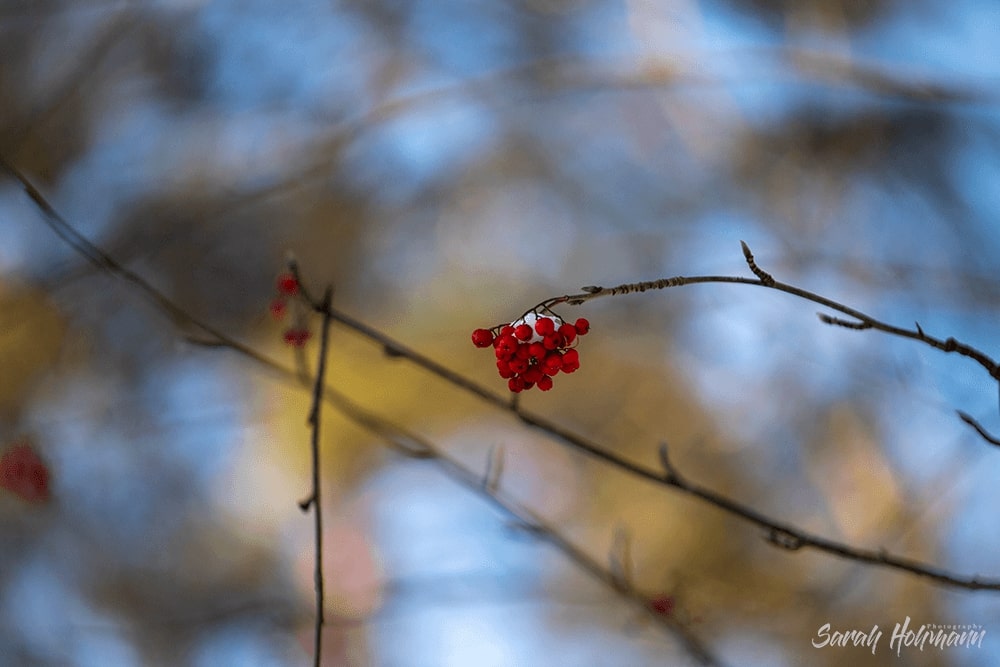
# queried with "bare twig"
point(394, 436)
point(862, 320)
point(764, 276)
point(314, 499)
point(674, 480)
point(771, 526)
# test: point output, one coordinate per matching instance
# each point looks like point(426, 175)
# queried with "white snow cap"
point(530, 320)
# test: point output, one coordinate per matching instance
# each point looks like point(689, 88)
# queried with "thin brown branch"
point(862, 320)
point(315, 497)
point(392, 435)
point(664, 478)
point(748, 514)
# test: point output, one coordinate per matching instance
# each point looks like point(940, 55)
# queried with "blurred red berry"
point(23, 474)
point(278, 308)
point(296, 337)
point(515, 384)
point(545, 383)
point(507, 330)
point(523, 332)
point(662, 604)
point(482, 337)
point(287, 284)
point(582, 326)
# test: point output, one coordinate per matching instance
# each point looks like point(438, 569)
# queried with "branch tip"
point(764, 277)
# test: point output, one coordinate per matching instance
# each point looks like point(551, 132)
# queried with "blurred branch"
point(777, 531)
point(85, 66)
point(394, 436)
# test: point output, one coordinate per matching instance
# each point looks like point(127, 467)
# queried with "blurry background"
point(447, 166)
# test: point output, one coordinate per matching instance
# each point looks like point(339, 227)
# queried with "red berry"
point(553, 363)
point(296, 337)
point(515, 384)
point(506, 372)
point(570, 361)
point(569, 332)
point(523, 332)
point(518, 365)
point(23, 473)
point(537, 351)
point(506, 346)
point(554, 341)
point(544, 326)
point(287, 284)
point(533, 374)
point(523, 351)
point(507, 330)
point(582, 326)
point(482, 337)
point(278, 308)
point(545, 383)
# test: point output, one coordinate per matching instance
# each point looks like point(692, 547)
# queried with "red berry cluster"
point(288, 286)
point(532, 350)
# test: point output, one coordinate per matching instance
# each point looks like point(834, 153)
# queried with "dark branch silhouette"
point(314, 499)
point(778, 533)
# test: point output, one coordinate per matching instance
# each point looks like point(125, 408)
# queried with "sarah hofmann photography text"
point(904, 636)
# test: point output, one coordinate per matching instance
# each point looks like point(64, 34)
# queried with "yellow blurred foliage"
point(32, 331)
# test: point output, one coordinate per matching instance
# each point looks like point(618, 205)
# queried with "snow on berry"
point(533, 349)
